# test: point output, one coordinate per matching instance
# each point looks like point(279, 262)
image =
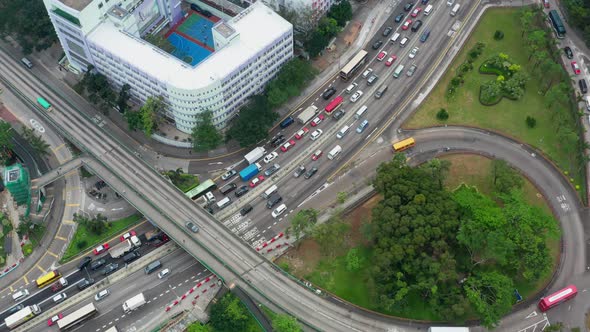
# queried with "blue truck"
point(249, 172)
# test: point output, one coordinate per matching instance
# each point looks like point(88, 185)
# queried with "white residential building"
point(249, 49)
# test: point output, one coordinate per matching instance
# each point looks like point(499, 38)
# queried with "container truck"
point(61, 283)
point(134, 302)
point(254, 155)
point(249, 172)
point(121, 249)
point(22, 316)
point(307, 114)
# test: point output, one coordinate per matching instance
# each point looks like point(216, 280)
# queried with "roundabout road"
point(559, 194)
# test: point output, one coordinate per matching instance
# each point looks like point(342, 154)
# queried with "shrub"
point(465, 67)
point(285, 266)
point(490, 93)
point(498, 35)
point(455, 81)
point(341, 197)
point(27, 249)
point(442, 115)
point(531, 122)
point(82, 244)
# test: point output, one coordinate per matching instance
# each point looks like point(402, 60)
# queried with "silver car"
point(411, 70)
point(228, 175)
point(102, 294)
point(192, 227)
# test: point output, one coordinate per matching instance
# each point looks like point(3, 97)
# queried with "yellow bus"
point(48, 278)
point(404, 144)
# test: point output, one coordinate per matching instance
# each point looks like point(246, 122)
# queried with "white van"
point(360, 112)
point(335, 152)
point(350, 88)
point(21, 294)
point(223, 203)
point(209, 196)
point(428, 9)
point(398, 71)
point(450, 2)
point(278, 211)
point(455, 10)
point(270, 191)
point(587, 100)
point(394, 37)
point(403, 42)
point(27, 62)
point(342, 132)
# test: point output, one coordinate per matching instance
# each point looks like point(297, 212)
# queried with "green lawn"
point(507, 117)
point(92, 240)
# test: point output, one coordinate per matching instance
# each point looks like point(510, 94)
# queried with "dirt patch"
point(357, 217)
point(353, 33)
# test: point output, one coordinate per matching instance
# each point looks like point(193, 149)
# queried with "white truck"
point(448, 329)
point(134, 302)
point(254, 155)
point(121, 249)
point(308, 114)
point(22, 316)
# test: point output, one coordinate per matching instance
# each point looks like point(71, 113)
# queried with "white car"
point(270, 157)
point(317, 133)
point(358, 94)
point(228, 174)
point(101, 295)
point(163, 273)
point(367, 73)
point(413, 52)
point(278, 211)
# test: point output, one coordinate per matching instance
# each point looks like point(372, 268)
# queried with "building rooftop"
point(258, 26)
point(76, 4)
point(224, 29)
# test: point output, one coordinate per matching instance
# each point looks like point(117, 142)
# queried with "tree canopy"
point(5, 141)
point(285, 323)
point(457, 250)
point(146, 119)
point(228, 314)
point(28, 22)
point(341, 12)
point(204, 135)
point(251, 125)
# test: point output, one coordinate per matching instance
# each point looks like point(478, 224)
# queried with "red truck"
point(61, 283)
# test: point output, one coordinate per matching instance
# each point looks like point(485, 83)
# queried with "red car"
point(390, 61)
point(127, 235)
point(381, 56)
point(316, 155)
point(256, 181)
point(407, 24)
point(100, 249)
point(301, 133)
point(54, 319)
point(546, 3)
point(576, 68)
point(416, 12)
point(285, 147)
point(317, 120)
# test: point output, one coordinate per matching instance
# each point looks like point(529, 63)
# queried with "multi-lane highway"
point(226, 254)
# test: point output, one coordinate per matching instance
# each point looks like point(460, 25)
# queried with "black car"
point(424, 2)
point(85, 283)
point(310, 173)
point(14, 309)
point(425, 36)
point(329, 93)
point(110, 269)
point(273, 200)
point(300, 170)
point(247, 208)
point(583, 86)
point(408, 6)
point(568, 52)
point(241, 191)
point(278, 141)
point(130, 257)
point(84, 262)
point(97, 264)
point(399, 17)
point(338, 114)
point(377, 44)
point(227, 188)
point(387, 31)
point(416, 25)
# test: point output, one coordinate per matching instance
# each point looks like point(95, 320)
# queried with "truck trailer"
point(121, 249)
point(22, 316)
point(308, 114)
point(250, 171)
point(254, 155)
point(134, 302)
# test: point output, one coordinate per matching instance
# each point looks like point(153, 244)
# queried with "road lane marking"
point(68, 222)
point(73, 204)
point(58, 147)
point(52, 254)
point(40, 268)
point(61, 238)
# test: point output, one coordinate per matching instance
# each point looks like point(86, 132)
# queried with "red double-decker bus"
point(334, 104)
point(558, 297)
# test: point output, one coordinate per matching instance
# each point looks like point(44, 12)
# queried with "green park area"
point(434, 242)
point(508, 78)
point(92, 232)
